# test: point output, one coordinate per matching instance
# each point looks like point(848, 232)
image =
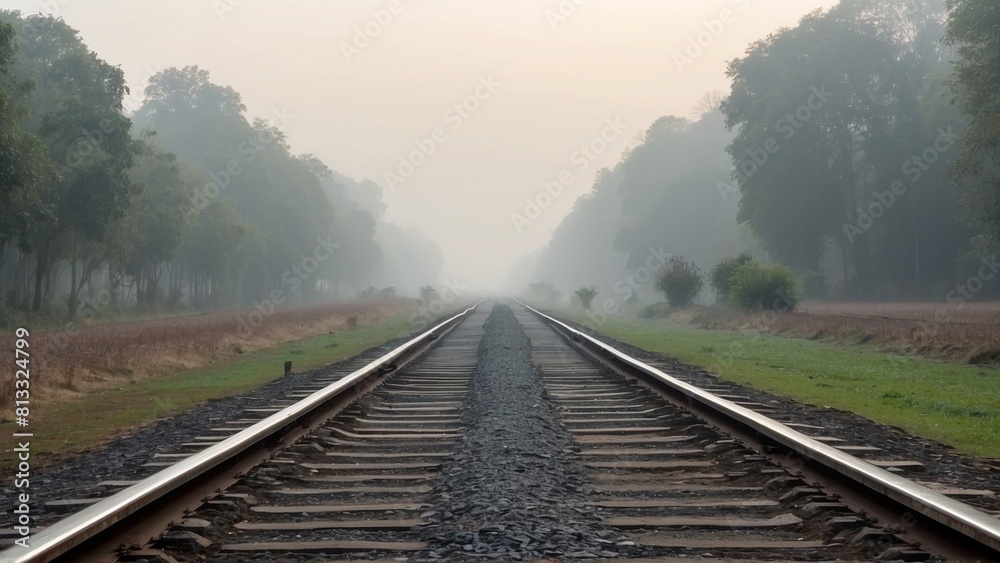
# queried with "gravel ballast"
point(944, 465)
point(512, 488)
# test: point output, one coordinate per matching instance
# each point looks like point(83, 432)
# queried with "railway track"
point(503, 434)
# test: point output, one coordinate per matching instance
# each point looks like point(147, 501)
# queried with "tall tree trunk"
point(41, 270)
point(51, 275)
point(3, 278)
point(73, 300)
point(845, 259)
point(21, 282)
point(916, 261)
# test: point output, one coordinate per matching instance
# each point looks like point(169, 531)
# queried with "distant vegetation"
point(586, 296)
point(184, 201)
point(858, 149)
point(755, 286)
point(681, 281)
point(723, 274)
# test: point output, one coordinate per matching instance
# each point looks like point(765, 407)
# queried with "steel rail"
point(955, 515)
point(72, 531)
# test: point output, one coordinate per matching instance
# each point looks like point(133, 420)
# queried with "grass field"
point(954, 403)
point(967, 332)
point(85, 421)
point(72, 362)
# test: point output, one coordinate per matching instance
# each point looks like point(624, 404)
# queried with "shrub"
point(681, 281)
point(586, 296)
point(759, 287)
point(722, 275)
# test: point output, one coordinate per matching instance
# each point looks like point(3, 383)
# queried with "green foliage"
point(586, 296)
point(76, 110)
point(681, 281)
point(204, 207)
point(974, 26)
point(758, 287)
point(23, 162)
point(829, 116)
point(722, 275)
point(669, 200)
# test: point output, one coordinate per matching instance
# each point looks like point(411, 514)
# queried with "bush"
point(586, 296)
point(758, 287)
point(722, 275)
point(681, 281)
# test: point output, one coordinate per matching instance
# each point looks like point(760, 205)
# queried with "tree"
point(827, 114)
point(681, 281)
point(589, 230)
point(215, 204)
point(709, 103)
point(287, 217)
point(759, 287)
point(157, 217)
point(23, 162)
point(586, 296)
point(213, 253)
point(974, 26)
point(77, 111)
point(669, 196)
point(722, 276)
point(193, 116)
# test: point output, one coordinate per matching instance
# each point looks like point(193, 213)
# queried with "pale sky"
point(548, 84)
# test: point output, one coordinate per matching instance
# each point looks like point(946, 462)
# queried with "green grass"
point(84, 422)
point(956, 404)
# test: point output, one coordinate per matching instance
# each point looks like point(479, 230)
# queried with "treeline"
point(858, 148)
point(184, 202)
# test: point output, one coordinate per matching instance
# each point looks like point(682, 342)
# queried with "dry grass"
point(68, 362)
point(969, 332)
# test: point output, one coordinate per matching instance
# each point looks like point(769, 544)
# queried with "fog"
point(214, 153)
point(558, 81)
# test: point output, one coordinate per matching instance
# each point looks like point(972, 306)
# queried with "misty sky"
point(547, 87)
